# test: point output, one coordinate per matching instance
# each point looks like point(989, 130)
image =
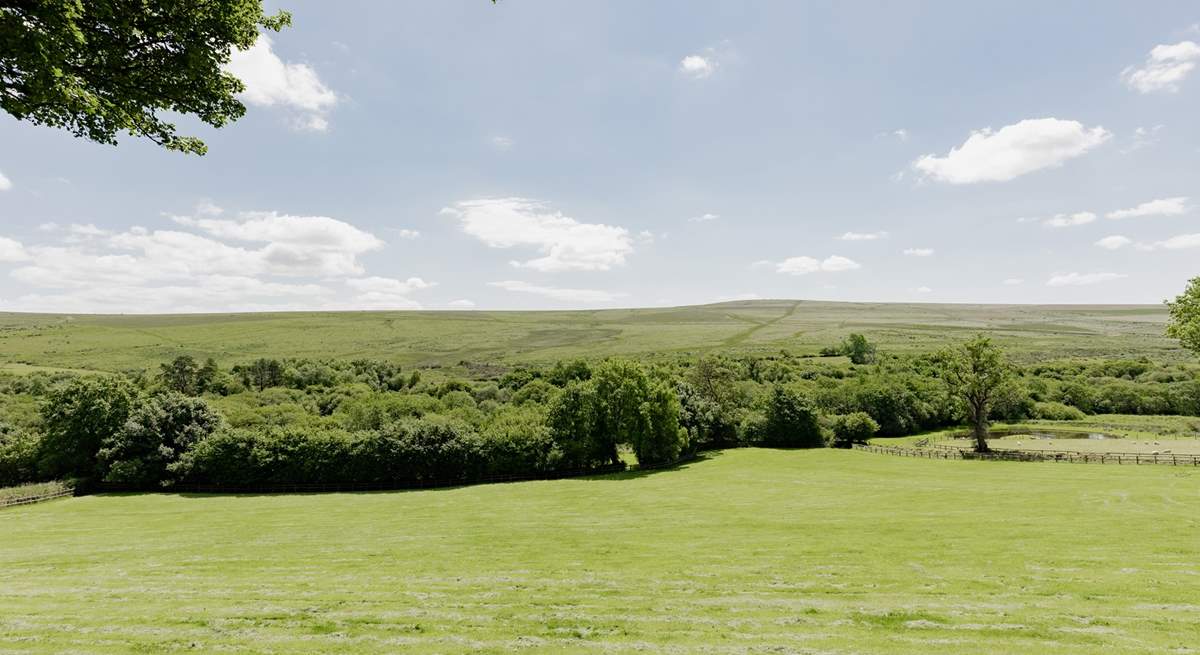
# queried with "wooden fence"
point(942, 451)
point(35, 498)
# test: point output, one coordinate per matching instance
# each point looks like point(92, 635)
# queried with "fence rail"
point(37, 498)
point(942, 451)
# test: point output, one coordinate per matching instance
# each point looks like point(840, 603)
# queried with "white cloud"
point(1081, 279)
point(923, 290)
point(901, 134)
point(806, 265)
point(385, 292)
point(1166, 66)
point(1180, 242)
point(1143, 137)
point(405, 233)
point(1114, 242)
point(296, 245)
point(462, 303)
point(11, 250)
point(565, 243)
point(558, 293)
point(5, 183)
point(1014, 150)
point(272, 82)
point(502, 142)
point(1160, 207)
point(918, 252)
point(1070, 220)
point(863, 236)
point(698, 67)
point(90, 269)
point(1013, 281)
point(704, 218)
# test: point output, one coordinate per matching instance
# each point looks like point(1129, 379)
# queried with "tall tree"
point(976, 372)
point(100, 67)
point(1184, 323)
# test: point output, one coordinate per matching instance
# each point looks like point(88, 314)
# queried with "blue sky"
point(610, 154)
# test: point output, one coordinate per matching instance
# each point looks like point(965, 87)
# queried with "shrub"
point(791, 420)
point(850, 429)
point(77, 417)
point(18, 456)
point(145, 451)
point(1051, 411)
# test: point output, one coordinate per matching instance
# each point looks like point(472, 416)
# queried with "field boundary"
point(35, 498)
point(1071, 457)
point(391, 485)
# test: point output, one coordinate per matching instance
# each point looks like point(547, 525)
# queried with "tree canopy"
point(1185, 316)
point(976, 372)
point(101, 67)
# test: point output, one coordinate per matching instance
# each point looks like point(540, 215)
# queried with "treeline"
point(272, 421)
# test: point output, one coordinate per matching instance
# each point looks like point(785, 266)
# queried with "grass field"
point(36, 342)
point(748, 551)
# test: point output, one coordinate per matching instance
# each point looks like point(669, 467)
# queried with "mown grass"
point(748, 551)
point(1031, 333)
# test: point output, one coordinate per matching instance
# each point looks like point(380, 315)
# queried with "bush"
point(77, 417)
point(1057, 412)
point(146, 450)
point(792, 421)
point(18, 456)
point(517, 441)
point(850, 429)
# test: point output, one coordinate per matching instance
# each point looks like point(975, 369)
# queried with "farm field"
point(1029, 332)
point(748, 550)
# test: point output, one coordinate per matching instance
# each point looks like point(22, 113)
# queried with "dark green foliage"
point(850, 429)
point(381, 376)
point(159, 431)
point(18, 456)
point(182, 375)
point(77, 418)
point(564, 373)
point(791, 420)
point(100, 67)
point(858, 349)
point(1184, 321)
point(975, 373)
point(661, 440)
point(517, 441)
point(573, 417)
point(261, 373)
point(1056, 412)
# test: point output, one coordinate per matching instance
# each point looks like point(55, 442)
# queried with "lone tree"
point(976, 372)
point(100, 67)
point(1184, 322)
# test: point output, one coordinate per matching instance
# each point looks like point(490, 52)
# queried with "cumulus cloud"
point(296, 245)
point(272, 82)
point(11, 250)
point(565, 243)
point(1014, 150)
point(1179, 242)
point(918, 252)
point(1081, 279)
point(1165, 68)
point(704, 218)
point(1070, 220)
point(558, 293)
point(863, 236)
point(5, 183)
point(405, 233)
point(385, 292)
point(210, 265)
point(698, 67)
point(1160, 207)
point(806, 265)
point(1114, 242)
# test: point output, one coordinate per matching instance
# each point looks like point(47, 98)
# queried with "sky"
point(536, 154)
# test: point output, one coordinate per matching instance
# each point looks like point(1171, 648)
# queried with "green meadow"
point(742, 551)
point(1030, 332)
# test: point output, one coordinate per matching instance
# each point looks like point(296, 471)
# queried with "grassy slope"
point(415, 338)
point(749, 551)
